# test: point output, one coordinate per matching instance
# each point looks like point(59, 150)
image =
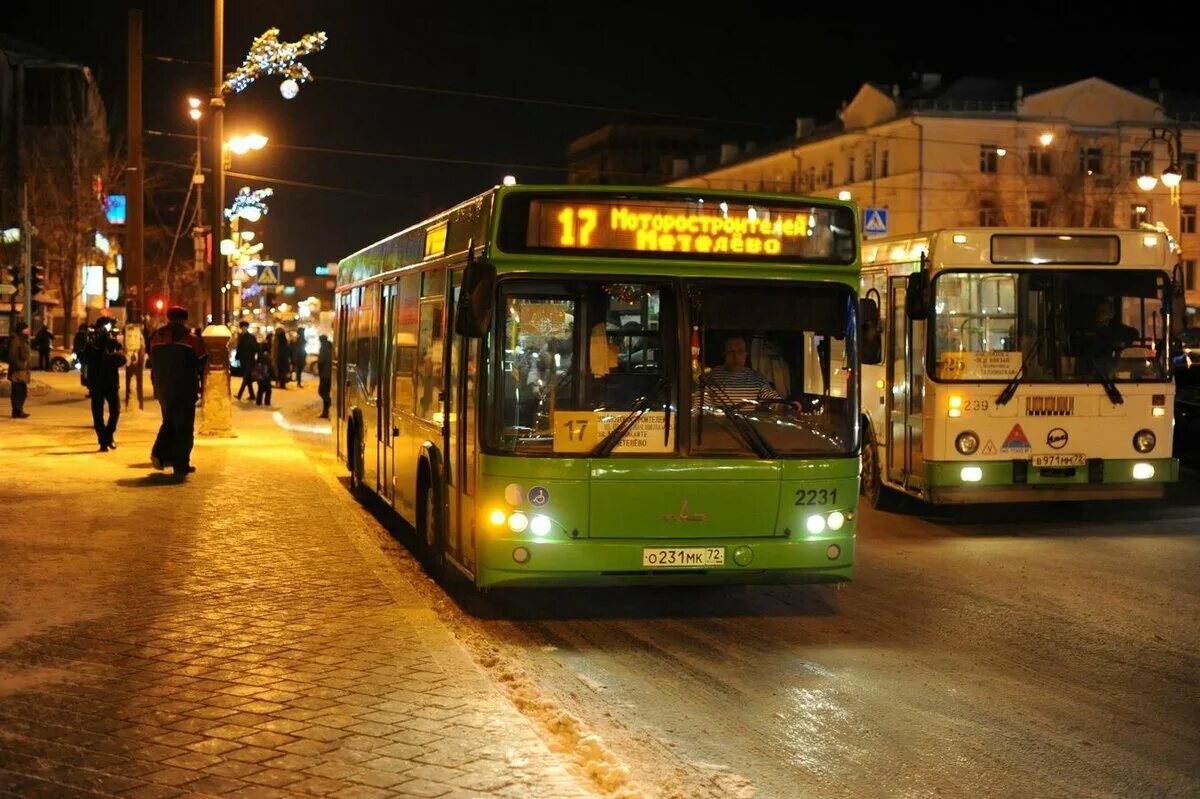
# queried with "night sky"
point(757, 65)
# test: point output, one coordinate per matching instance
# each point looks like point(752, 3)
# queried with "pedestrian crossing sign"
point(875, 221)
point(268, 275)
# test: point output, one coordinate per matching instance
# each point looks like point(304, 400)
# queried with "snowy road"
point(1003, 652)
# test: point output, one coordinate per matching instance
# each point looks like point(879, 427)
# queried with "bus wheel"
point(354, 460)
point(876, 494)
point(432, 554)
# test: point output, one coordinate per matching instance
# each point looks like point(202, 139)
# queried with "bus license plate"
point(686, 557)
point(1052, 461)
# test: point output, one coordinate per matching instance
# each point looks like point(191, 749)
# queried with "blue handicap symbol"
point(538, 496)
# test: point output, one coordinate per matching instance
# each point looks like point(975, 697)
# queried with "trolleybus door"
point(388, 431)
point(906, 379)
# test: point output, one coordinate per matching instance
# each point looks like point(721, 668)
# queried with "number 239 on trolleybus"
point(1021, 365)
point(569, 385)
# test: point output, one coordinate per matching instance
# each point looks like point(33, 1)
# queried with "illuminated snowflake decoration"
point(269, 56)
point(249, 203)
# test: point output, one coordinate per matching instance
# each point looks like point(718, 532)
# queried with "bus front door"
point(387, 420)
point(462, 356)
point(905, 401)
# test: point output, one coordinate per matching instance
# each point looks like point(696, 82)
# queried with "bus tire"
point(354, 455)
point(431, 550)
point(877, 495)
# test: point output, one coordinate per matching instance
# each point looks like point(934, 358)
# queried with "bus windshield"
point(590, 366)
point(1081, 325)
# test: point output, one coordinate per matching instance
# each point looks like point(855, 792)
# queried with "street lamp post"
point(1171, 177)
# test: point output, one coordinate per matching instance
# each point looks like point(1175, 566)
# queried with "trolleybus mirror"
point(473, 314)
point(916, 297)
point(871, 337)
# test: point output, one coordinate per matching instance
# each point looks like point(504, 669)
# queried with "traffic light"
point(37, 281)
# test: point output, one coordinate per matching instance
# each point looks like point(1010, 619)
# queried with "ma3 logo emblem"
point(1057, 438)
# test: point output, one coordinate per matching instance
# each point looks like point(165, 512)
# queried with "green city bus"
point(510, 376)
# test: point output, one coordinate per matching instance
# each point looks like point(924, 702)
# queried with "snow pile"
point(564, 732)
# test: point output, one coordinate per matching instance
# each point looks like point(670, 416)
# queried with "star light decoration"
point(269, 56)
point(249, 205)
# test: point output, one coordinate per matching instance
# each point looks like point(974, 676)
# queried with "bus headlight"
point(1144, 441)
point(966, 443)
point(517, 522)
point(540, 525)
point(971, 474)
point(836, 520)
point(815, 524)
point(1143, 471)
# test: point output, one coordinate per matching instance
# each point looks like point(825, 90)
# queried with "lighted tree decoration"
point(269, 56)
point(249, 205)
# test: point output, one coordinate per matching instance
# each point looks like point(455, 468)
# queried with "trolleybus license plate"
point(1059, 460)
point(667, 557)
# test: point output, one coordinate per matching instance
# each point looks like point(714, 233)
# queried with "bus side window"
point(429, 343)
point(406, 341)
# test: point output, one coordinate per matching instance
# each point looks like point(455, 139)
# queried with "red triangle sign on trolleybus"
point(1016, 441)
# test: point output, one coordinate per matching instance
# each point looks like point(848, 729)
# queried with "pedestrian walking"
point(18, 369)
point(77, 348)
point(177, 358)
point(247, 358)
point(263, 373)
point(41, 342)
point(299, 356)
point(281, 357)
point(325, 374)
point(105, 358)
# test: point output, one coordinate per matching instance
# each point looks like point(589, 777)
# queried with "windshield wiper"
point(606, 445)
point(1011, 388)
point(741, 423)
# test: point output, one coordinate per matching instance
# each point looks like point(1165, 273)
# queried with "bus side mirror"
point(473, 313)
point(871, 337)
point(916, 296)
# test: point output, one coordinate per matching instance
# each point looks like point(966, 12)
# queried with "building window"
point(1141, 162)
point(810, 179)
point(883, 165)
point(1187, 164)
point(1039, 214)
point(988, 215)
point(1039, 162)
point(1102, 215)
point(828, 176)
point(1189, 274)
point(1139, 214)
point(868, 168)
point(988, 158)
point(1091, 161)
point(1187, 218)
point(850, 169)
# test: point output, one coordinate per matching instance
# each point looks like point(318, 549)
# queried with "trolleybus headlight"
point(517, 522)
point(836, 520)
point(540, 525)
point(815, 524)
point(1143, 471)
point(971, 474)
point(1144, 441)
point(966, 443)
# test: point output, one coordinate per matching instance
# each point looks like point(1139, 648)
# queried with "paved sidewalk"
point(229, 635)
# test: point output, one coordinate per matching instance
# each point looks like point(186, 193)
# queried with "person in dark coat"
point(325, 375)
point(299, 356)
point(281, 357)
point(18, 369)
point(41, 342)
point(263, 372)
point(105, 358)
point(77, 347)
point(177, 359)
point(247, 356)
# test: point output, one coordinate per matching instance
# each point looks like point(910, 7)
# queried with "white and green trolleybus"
point(1020, 365)
point(570, 385)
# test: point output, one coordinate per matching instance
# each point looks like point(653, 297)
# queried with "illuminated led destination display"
point(687, 227)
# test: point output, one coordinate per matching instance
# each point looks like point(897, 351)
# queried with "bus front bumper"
point(1019, 481)
point(582, 561)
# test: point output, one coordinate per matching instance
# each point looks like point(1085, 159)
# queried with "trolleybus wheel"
point(876, 494)
point(431, 552)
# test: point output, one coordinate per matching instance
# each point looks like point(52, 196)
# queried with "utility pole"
point(134, 278)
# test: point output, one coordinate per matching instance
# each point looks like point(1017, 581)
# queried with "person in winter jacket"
point(105, 358)
point(18, 369)
point(177, 359)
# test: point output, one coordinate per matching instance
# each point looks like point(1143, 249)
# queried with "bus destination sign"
point(686, 226)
